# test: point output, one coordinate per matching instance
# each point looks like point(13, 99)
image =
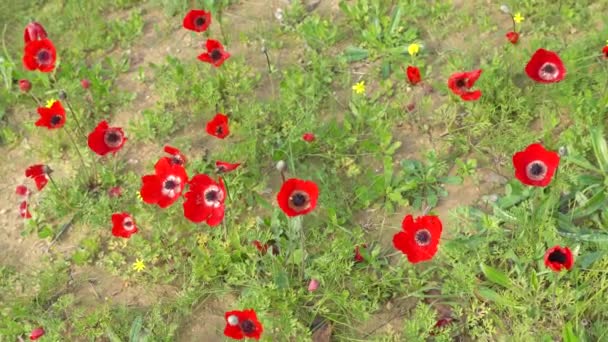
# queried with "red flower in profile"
point(40, 174)
point(176, 155)
point(308, 137)
point(22, 191)
point(358, 256)
point(25, 85)
point(123, 225)
point(222, 166)
point(413, 75)
point(558, 258)
point(165, 186)
point(605, 51)
point(33, 31)
point(205, 200)
point(419, 238)
point(197, 20)
point(461, 82)
point(218, 126)
point(36, 333)
point(298, 197)
point(535, 166)
point(40, 55)
point(215, 54)
point(53, 117)
point(241, 324)
point(23, 210)
point(105, 139)
point(545, 67)
point(513, 37)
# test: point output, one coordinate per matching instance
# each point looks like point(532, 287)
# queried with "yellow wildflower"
point(518, 18)
point(139, 196)
point(413, 49)
point(359, 88)
point(49, 103)
point(139, 265)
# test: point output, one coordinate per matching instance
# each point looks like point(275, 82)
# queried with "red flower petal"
point(461, 82)
point(105, 139)
point(165, 186)
point(176, 155)
point(240, 324)
point(558, 258)
point(205, 200)
point(40, 55)
point(24, 211)
point(215, 54)
point(298, 197)
point(605, 51)
point(419, 238)
point(512, 37)
point(222, 166)
point(218, 126)
point(358, 256)
point(53, 117)
point(413, 75)
point(115, 191)
point(197, 20)
point(22, 191)
point(36, 333)
point(33, 31)
point(25, 85)
point(123, 225)
point(535, 165)
point(545, 67)
point(39, 173)
point(308, 137)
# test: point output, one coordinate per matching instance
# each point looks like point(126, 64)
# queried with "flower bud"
point(25, 85)
point(505, 9)
point(562, 151)
point(33, 31)
point(313, 285)
point(63, 95)
point(85, 83)
point(281, 166)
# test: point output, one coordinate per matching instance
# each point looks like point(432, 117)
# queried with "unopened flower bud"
point(505, 9)
point(63, 95)
point(25, 85)
point(85, 83)
point(562, 151)
point(281, 166)
point(313, 285)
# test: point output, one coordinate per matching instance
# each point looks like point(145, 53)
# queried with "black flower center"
point(43, 56)
point(536, 169)
point(557, 256)
point(219, 130)
point(461, 83)
point(55, 120)
point(549, 68)
point(170, 184)
point(216, 54)
point(177, 160)
point(112, 138)
point(423, 237)
point(247, 326)
point(211, 196)
point(200, 21)
point(299, 199)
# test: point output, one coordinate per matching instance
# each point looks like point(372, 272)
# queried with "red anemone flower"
point(513, 37)
point(358, 256)
point(36, 333)
point(558, 258)
point(105, 139)
point(205, 200)
point(215, 54)
point(222, 166)
point(23, 210)
point(308, 137)
point(33, 31)
point(545, 67)
point(40, 55)
point(419, 238)
point(25, 85)
point(413, 75)
point(22, 190)
point(53, 117)
point(535, 166)
point(165, 186)
point(123, 225)
point(298, 197)
point(40, 174)
point(461, 82)
point(241, 324)
point(176, 155)
point(197, 20)
point(605, 51)
point(218, 126)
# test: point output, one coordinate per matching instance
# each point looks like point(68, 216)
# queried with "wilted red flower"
point(215, 54)
point(419, 238)
point(558, 258)
point(263, 248)
point(25, 85)
point(86, 84)
point(535, 166)
point(40, 55)
point(23, 210)
point(205, 200)
point(53, 117)
point(197, 20)
point(36, 333)
point(115, 191)
point(605, 51)
point(411, 106)
point(308, 137)
point(165, 186)
point(461, 82)
point(545, 67)
point(222, 166)
point(33, 31)
point(176, 155)
point(413, 75)
point(358, 256)
point(513, 37)
point(105, 139)
point(218, 126)
point(440, 324)
point(298, 197)
point(241, 324)
point(22, 191)
point(40, 174)
point(123, 225)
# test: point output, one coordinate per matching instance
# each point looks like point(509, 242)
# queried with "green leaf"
point(395, 20)
point(493, 296)
point(354, 54)
point(112, 336)
point(136, 329)
point(595, 203)
point(600, 148)
point(386, 69)
point(281, 279)
point(568, 333)
point(45, 232)
point(454, 180)
point(388, 171)
point(496, 276)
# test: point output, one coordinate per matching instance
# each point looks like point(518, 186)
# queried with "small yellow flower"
point(359, 88)
point(139, 265)
point(139, 196)
point(49, 103)
point(413, 49)
point(202, 239)
point(518, 18)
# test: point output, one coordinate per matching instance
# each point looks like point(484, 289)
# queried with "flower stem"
point(80, 129)
point(513, 20)
point(84, 165)
point(37, 100)
point(283, 176)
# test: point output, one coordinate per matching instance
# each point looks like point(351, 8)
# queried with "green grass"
point(373, 160)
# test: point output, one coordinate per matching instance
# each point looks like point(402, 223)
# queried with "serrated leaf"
point(354, 54)
point(495, 275)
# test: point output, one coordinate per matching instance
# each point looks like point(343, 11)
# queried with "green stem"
point(80, 128)
point(84, 165)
